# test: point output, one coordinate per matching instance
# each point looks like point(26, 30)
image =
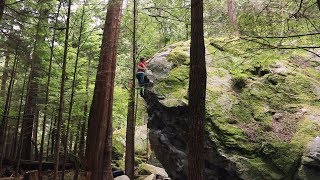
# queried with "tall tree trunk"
point(129, 157)
point(35, 135)
point(2, 4)
point(4, 122)
point(49, 137)
point(99, 141)
point(53, 134)
point(70, 140)
point(15, 138)
point(82, 124)
point(4, 77)
point(73, 89)
point(76, 141)
point(8, 138)
point(62, 88)
point(47, 92)
point(233, 17)
point(19, 148)
point(85, 111)
point(31, 100)
point(197, 93)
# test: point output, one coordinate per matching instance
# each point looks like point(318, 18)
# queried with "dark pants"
point(140, 77)
point(143, 81)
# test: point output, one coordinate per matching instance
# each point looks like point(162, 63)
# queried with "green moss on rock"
point(257, 168)
point(179, 56)
point(244, 92)
point(307, 130)
point(174, 86)
point(283, 156)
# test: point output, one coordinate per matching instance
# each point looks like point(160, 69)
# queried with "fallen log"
point(29, 165)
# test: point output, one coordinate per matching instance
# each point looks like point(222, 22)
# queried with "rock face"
point(168, 137)
point(262, 112)
point(310, 166)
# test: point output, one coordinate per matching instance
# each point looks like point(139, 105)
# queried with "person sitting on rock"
point(140, 75)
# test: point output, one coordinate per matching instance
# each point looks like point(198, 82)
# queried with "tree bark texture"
point(197, 93)
point(99, 141)
point(233, 16)
point(130, 132)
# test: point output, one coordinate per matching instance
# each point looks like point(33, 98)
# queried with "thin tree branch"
point(283, 37)
point(269, 46)
point(300, 6)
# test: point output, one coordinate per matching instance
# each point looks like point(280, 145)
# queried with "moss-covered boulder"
point(262, 108)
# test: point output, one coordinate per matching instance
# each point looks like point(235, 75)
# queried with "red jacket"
point(142, 64)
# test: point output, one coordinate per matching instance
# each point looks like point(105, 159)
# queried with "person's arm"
point(147, 61)
point(141, 66)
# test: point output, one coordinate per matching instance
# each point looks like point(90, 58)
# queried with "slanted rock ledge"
point(168, 138)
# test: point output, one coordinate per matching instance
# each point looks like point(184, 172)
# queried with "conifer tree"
point(99, 141)
point(197, 94)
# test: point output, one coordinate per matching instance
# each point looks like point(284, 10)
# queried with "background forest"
point(32, 43)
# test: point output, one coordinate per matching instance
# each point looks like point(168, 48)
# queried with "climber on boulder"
point(141, 74)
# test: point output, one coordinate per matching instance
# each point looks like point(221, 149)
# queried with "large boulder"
point(262, 110)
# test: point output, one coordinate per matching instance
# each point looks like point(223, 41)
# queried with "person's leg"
point(140, 77)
